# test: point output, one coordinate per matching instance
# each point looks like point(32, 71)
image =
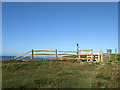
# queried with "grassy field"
point(59, 74)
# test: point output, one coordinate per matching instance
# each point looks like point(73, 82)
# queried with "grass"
point(57, 74)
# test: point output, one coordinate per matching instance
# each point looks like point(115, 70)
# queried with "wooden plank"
point(109, 57)
point(62, 58)
point(68, 51)
point(87, 55)
point(91, 54)
point(98, 55)
point(95, 51)
point(44, 50)
point(23, 57)
point(43, 54)
point(106, 53)
point(78, 52)
point(45, 57)
point(79, 55)
point(101, 55)
point(56, 53)
point(22, 54)
point(66, 54)
point(32, 55)
point(84, 50)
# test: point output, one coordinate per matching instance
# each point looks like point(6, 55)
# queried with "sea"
point(10, 58)
point(6, 57)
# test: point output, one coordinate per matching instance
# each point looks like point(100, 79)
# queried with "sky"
point(60, 25)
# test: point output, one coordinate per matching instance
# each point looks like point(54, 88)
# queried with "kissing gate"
point(90, 55)
point(87, 55)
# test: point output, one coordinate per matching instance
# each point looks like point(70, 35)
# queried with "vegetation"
point(58, 74)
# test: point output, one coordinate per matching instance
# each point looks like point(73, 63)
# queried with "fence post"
point(109, 56)
point(55, 54)
point(91, 55)
point(87, 55)
point(101, 55)
point(115, 54)
point(32, 55)
point(78, 53)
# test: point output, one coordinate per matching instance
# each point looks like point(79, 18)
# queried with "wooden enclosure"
point(87, 55)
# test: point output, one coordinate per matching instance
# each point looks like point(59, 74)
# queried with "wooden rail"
point(89, 54)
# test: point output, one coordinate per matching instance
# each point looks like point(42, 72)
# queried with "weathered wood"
point(101, 55)
point(45, 57)
point(95, 56)
point(91, 54)
point(109, 57)
point(84, 50)
point(23, 57)
point(66, 54)
point(43, 54)
point(32, 57)
point(106, 53)
point(22, 54)
point(68, 51)
point(44, 50)
point(56, 53)
point(98, 55)
point(66, 58)
point(95, 51)
point(87, 55)
point(78, 52)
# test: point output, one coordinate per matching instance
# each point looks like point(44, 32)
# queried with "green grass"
point(55, 74)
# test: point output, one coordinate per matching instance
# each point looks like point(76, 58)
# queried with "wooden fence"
point(89, 55)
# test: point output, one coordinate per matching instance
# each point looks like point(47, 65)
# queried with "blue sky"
point(61, 26)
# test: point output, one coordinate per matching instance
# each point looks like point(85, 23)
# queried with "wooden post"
point(87, 55)
point(115, 54)
point(98, 55)
point(101, 55)
point(91, 55)
point(109, 56)
point(55, 54)
point(78, 52)
point(32, 55)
